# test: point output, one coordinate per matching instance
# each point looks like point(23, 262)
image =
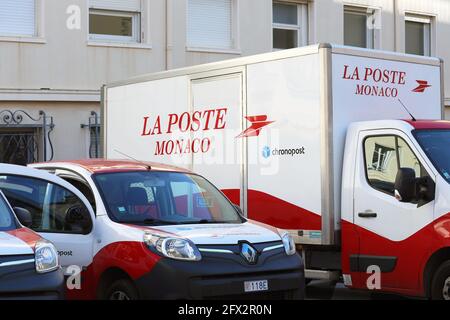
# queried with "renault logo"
point(249, 253)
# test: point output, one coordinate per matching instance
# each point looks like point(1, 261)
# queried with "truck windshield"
point(163, 198)
point(7, 220)
point(436, 144)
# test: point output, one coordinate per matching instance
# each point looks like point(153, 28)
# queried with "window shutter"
point(210, 24)
point(18, 18)
point(119, 5)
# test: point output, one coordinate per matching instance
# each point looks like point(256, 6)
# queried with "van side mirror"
point(405, 185)
point(78, 220)
point(24, 216)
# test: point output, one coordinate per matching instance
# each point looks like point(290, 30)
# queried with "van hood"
point(11, 245)
point(222, 233)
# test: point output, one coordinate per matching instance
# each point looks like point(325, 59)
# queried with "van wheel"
point(440, 288)
point(122, 289)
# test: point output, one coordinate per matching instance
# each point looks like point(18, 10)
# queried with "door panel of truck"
point(58, 215)
point(390, 232)
point(221, 160)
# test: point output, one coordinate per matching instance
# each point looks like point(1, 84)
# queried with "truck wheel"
point(440, 288)
point(121, 290)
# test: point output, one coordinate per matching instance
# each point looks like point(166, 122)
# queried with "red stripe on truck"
point(276, 212)
point(412, 254)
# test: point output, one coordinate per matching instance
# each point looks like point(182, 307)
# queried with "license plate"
point(259, 285)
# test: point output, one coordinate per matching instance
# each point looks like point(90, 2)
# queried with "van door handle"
point(367, 214)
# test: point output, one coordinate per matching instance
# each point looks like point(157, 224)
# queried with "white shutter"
point(210, 24)
point(17, 18)
point(119, 5)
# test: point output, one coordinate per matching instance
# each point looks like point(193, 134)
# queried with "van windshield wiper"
point(148, 222)
point(205, 221)
point(157, 221)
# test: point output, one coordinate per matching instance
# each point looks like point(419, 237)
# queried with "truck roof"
point(277, 55)
point(111, 165)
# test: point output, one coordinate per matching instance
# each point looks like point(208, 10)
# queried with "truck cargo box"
point(270, 129)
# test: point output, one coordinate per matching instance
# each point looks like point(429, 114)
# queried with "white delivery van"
point(161, 232)
point(311, 140)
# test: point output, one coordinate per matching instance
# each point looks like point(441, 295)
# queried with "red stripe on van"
point(26, 235)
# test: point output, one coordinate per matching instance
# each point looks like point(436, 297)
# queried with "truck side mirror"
point(425, 190)
point(405, 185)
point(24, 216)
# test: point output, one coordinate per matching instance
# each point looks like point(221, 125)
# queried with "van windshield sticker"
point(446, 175)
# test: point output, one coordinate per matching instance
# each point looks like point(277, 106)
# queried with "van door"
point(392, 234)
point(60, 213)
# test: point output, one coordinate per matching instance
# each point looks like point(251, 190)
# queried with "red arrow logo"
point(423, 84)
point(258, 122)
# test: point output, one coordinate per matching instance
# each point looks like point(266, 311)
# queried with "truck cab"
point(395, 207)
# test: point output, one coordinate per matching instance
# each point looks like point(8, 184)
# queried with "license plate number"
point(252, 286)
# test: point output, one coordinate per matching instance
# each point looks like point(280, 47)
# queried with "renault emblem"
point(249, 253)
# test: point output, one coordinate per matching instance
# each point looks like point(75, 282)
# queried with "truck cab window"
point(384, 155)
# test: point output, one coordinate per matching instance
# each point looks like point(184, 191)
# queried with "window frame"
point(39, 28)
point(301, 27)
point(136, 26)
point(427, 23)
point(88, 232)
point(369, 13)
point(235, 34)
point(408, 143)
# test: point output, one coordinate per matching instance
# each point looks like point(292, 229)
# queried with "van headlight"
point(46, 256)
point(289, 244)
point(174, 248)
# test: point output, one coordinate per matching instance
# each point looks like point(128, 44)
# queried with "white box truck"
point(310, 140)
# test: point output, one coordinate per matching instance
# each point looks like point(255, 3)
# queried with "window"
point(115, 21)
point(418, 35)
point(435, 144)
point(384, 155)
point(18, 18)
point(53, 208)
point(161, 198)
point(7, 221)
point(84, 188)
point(359, 27)
point(290, 25)
point(211, 24)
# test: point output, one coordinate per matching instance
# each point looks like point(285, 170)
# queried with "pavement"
point(325, 290)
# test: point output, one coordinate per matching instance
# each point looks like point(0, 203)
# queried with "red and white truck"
point(307, 140)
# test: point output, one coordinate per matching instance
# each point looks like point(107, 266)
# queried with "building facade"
point(56, 54)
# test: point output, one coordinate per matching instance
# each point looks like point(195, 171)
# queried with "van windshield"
point(7, 219)
point(436, 144)
point(163, 198)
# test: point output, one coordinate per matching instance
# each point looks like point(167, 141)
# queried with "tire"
point(440, 286)
point(122, 289)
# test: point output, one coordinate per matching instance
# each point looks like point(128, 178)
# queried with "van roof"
point(429, 124)
point(111, 165)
